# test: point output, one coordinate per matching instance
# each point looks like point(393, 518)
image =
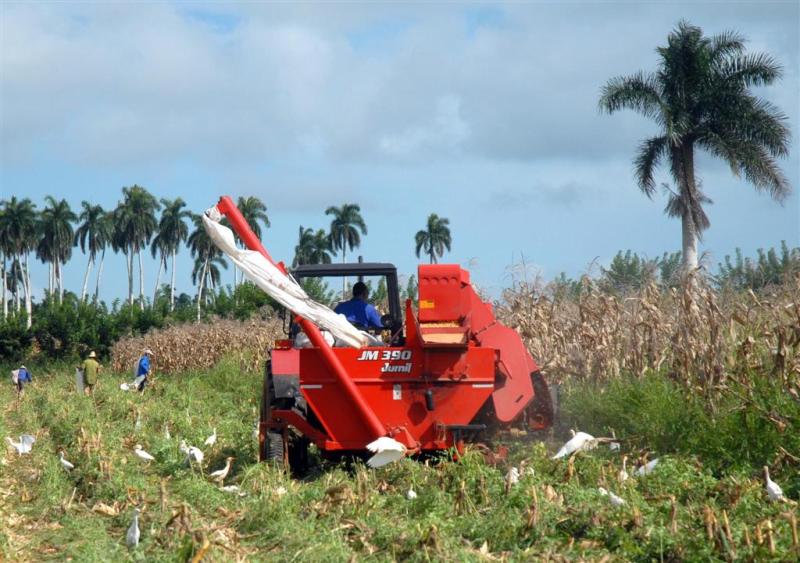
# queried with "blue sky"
point(484, 114)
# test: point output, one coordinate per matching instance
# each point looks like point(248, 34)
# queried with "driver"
point(358, 311)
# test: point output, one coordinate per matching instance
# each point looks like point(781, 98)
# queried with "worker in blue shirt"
point(358, 311)
point(23, 377)
point(143, 370)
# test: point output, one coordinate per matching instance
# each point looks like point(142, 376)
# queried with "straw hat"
point(148, 351)
point(92, 354)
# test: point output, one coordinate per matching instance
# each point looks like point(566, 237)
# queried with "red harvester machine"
point(450, 374)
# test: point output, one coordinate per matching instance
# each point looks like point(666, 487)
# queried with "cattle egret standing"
point(141, 454)
point(622, 476)
point(220, 474)
point(132, 537)
point(411, 494)
point(211, 440)
point(579, 441)
point(24, 445)
point(386, 450)
point(774, 490)
point(647, 468)
point(512, 477)
point(64, 463)
point(615, 500)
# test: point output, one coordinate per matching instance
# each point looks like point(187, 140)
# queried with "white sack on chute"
point(280, 286)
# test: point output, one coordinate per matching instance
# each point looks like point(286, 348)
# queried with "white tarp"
point(280, 286)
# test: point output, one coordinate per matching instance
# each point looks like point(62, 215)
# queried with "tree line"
point(141, 223)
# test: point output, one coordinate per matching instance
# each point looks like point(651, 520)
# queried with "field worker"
point(90, 368)
point(143, 371)
point(358, 311)
point(21, 377)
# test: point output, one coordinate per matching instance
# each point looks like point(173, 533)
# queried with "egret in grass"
point(623, 476)
point(64, 463)
point(211, 440)
point(512, 477)
point(24, 445)
point(233, 489)
point(141, 454)
point(579, 441)
point(132, 537)
point(387, 450)
point(647, 468)
point(192, 453)
point(411, 494)
point(220, 474)
point(615, 500)
point(774, 491)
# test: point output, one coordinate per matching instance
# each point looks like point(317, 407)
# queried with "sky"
point(486, 114)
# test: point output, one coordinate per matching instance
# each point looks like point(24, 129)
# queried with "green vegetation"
point(463, 510)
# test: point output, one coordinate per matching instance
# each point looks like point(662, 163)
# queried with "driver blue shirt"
point(359, 312)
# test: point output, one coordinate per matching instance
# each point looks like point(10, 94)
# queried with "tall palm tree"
point(435, 238)
point(92, 235)
point(134, 225)
point(172, 231)
point(20, 233)
point(344, 231)
point(312, 247)
point(700, 97)
point(57, 239)
point(204, 251)
point(5, 250)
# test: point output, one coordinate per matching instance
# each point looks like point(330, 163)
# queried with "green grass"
point(338, 512)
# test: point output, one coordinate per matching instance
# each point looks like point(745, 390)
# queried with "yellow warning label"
point(427, 304)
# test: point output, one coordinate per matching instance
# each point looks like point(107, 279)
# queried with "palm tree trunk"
point(50, 278)
point(141, 282)
point(172, 285)
point(344, 279)
point(28, 300)
point(17, 276)
point(3, 274)
point(200, 288)
point(129, 262)
point(86, 276)
point(60, 282)
point(158, 279)
point(688, 227)
point(99, 274)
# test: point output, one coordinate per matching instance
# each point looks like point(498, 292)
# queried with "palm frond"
point(640, 92)
point(650, 154)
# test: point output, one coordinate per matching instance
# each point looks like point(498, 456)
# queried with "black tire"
point(273, 447)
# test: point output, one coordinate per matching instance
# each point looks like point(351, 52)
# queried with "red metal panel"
point(286, 362)
point(441, 293)
point(460, 381)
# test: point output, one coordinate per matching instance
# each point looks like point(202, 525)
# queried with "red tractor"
point(448, 374)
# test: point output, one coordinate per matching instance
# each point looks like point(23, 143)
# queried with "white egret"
point(512, 477)
point(64, 463)
point(647, 468)
point(615, 500)
point(141, 454)
point(411, 494)
point(132, 537)
point(774, 491)
point(24, 445)
point(211, 440)
point(623, 476)
point(579, 441)
point(220, 474)
point(233, 489)
point(386, 450)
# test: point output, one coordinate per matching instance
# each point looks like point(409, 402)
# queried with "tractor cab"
point(375, 274)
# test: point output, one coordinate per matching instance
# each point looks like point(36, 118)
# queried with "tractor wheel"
point(273, 447)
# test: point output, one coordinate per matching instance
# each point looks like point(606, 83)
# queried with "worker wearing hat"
point(91, 367)
point(21, 377)
point(143, 371)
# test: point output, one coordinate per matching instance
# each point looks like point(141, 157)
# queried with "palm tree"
point(210, 268)
point(204, 251)
point(344, 231)
point(255, 213)
point(435, 238)
point(20, 233)
point(92, 235)
point(5, 250)
point(172, 231)
point(57, 239)
point(700, 97)
point(312, 247)
point(134, 224)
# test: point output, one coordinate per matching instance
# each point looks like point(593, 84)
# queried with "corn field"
point(693, 333)
point(194, 347)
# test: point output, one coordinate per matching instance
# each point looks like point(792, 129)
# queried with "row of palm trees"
point(134, 226)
